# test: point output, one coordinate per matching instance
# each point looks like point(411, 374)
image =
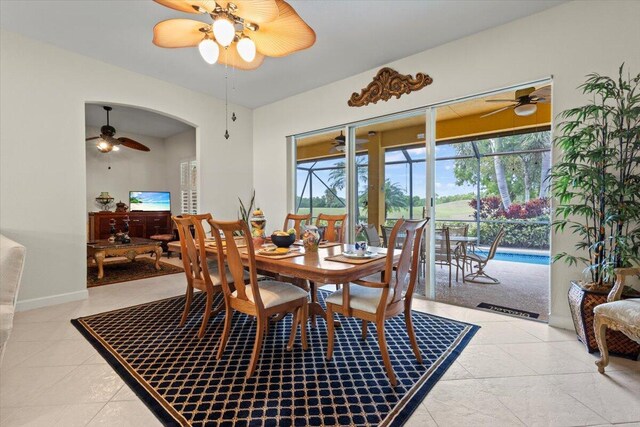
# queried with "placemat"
point(342, 258)
point(284, 256)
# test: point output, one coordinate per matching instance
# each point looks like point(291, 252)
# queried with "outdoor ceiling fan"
point(108, 143)
point(525, 101)
point(339, 143)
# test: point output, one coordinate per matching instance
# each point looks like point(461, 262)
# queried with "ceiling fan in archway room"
point(339, 143)
point(107, 142)
point(525, 100)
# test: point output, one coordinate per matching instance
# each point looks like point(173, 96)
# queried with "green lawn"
point(444, 211)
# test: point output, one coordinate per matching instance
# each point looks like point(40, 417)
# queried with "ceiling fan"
point(108, 143)
point(524, 103)
point(339, 143)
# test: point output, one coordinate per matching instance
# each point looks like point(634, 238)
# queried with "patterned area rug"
point(177, 376)
point(125, 271)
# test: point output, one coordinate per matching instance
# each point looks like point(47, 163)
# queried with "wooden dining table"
point(314, 267)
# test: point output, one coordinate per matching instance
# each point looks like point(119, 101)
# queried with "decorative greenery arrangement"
point(596, 182)
point(244, 213)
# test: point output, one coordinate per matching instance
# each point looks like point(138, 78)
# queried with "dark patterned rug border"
point(169, 417)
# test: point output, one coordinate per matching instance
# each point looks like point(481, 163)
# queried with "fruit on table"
point(281, 250)
point(280, 233)
point(291, 231)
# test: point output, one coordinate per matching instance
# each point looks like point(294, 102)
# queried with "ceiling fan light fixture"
point(224, 31)
point(524, 110)
point(246, 49)
point(116, 148)
point(104, 146)
point(209, 50)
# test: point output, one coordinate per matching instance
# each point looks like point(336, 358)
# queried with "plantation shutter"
point(189, 187)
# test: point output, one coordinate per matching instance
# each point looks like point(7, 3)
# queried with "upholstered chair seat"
point(275, 293)
point(361, 297)
point(626, 311)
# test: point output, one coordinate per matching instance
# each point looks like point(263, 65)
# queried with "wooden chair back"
point(407, 267)
point(194, 256)
point(297, 222)
point(230, 230)
point(333, 232)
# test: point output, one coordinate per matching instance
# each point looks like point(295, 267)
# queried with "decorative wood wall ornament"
point(387, 83)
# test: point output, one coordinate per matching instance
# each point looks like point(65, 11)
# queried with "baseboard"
point(30, 304)
point(563, 322)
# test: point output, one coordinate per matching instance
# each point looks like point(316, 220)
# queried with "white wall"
point(131, 170)
point(567, 41)
point(178, 148)
point(42, 154)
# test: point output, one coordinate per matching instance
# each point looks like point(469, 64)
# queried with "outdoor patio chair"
point(443, 254)
point(458, 250)
point(373, 238)
point(481, 276)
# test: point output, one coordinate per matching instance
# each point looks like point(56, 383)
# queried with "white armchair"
point(619, 315)
point(11, 265)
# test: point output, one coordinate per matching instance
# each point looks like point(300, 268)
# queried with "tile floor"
point(514, 372)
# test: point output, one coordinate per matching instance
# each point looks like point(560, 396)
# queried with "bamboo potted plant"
point(597, 187)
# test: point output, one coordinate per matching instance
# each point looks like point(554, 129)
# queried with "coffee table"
point(101, 249)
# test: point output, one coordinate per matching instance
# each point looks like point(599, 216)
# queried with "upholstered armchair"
point(617, 314)
point(11, 265)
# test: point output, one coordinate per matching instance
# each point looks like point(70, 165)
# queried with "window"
point(189, 187)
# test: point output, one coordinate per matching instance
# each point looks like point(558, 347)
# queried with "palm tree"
point(337, 178)
point(394, 197)
point(501, 178)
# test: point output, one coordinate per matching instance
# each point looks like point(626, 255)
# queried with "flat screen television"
point(149, 201)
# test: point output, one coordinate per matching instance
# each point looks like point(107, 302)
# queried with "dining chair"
point(297, 222)
point(481, 276)
point(258, 299)
point(443, 255)
point(194, 260)
point(378, 301)
point(333, 232)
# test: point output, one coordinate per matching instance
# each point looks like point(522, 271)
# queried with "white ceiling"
point(352, 36)
point(128, 120)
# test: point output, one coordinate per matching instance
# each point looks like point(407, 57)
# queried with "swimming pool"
point(519, 257)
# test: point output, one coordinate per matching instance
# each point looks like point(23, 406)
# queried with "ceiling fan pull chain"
point(226, 96)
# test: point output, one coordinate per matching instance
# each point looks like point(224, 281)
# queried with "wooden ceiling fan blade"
point(92, 138)
point(174, 33)
point(285, 35)
point(231, 57)
point(189, 6)
point(254, 11)
point(497, 111)
point(543, 92)
point(130, 143)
